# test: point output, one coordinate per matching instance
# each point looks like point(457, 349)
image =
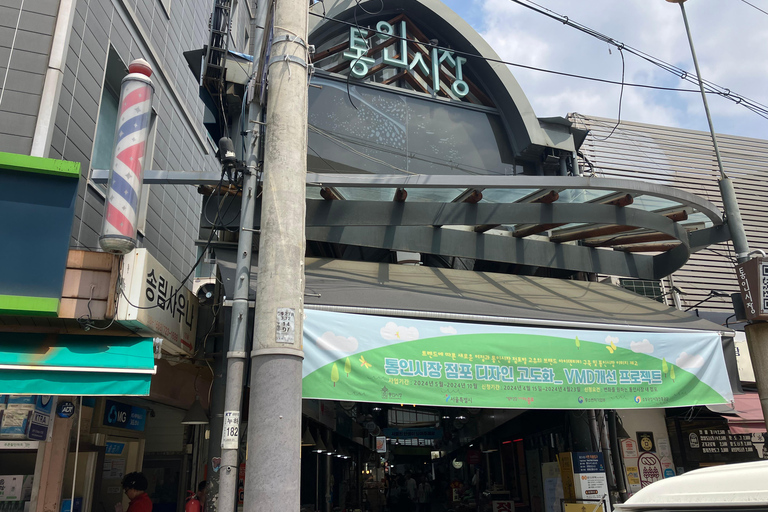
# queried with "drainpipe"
point(618, 467)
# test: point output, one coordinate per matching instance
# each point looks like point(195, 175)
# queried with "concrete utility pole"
point(273, 470)
point(237, 356)
point(757, 332)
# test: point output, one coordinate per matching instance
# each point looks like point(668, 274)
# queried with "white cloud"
point(392, 331)
point(731, 43)
point(447, 329)
point(687, 360)
point(334, 343)
point(642, 347)
point(609, 339)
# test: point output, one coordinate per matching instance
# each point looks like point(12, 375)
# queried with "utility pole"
point(237, 356)
point(757, 332)
point(273, 470)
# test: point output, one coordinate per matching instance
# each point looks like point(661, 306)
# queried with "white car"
point(729, 487)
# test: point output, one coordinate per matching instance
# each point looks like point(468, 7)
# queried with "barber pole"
point(118, 233)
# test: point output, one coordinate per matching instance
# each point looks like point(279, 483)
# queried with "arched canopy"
point(528, 135)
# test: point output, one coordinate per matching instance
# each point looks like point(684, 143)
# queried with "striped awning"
point(61, 364)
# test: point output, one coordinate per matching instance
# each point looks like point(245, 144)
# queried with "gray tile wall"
point(173, 211)
point(28, 49)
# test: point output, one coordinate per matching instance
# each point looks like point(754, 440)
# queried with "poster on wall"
point(427, 362)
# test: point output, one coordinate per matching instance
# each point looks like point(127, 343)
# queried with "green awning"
point(60, 364)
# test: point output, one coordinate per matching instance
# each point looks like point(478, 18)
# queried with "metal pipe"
point(237, 355)
point(730, 203)
point(618, 467)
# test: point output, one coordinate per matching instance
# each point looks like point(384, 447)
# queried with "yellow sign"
point(583, 507)
point(633, 475)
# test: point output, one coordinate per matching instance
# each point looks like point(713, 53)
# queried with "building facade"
point(63, 62)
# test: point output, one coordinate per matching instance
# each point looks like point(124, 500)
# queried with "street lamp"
point(757, 332)
point(731, 205)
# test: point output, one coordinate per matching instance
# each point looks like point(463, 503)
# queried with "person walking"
point(424, 494)
point(410, 487)
point(135, 487)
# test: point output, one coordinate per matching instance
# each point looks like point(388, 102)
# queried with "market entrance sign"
point(397, 360)
point(392, 44)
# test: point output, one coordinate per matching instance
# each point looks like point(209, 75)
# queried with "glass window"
point(389, 133)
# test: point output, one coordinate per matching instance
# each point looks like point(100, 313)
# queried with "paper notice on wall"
point(633, 479)
point(662, 448)
point(553, 486)
point(113, 469)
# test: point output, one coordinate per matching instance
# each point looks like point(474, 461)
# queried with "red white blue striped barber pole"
point(118, 233)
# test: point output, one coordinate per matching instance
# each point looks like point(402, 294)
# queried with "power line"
point(514, 64)
point(711, 87)
point(752, 105)
point(756, 7)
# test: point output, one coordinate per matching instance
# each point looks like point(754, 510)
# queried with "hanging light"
point(307, 439)
point(330, 448)
point(319, 446)
point(196, 415)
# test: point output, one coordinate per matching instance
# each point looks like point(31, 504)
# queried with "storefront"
point(454, 327)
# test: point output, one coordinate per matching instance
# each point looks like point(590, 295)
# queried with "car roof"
point(732, 485)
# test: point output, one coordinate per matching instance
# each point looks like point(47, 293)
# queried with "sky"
point(730, 36)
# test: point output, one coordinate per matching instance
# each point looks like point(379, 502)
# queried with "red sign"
point(241, 484)
point(473, 456)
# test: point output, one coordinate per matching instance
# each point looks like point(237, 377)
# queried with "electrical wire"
point(710, 87)
point(758, 108)
point(756, 7)
point(189, 274)
point(522, 66)
point(621, 96)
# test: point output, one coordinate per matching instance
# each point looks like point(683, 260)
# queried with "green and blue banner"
point(430, 362)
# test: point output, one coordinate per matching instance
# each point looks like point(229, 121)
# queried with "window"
point(650, 289)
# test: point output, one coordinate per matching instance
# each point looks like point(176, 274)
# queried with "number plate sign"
point(286, 320)
point(231, 433)
point(753, 282)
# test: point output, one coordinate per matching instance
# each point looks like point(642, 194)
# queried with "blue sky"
point(731, 39)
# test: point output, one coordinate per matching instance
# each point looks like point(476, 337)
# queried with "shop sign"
point(629, 449)
point(650, 468)
point(583, 476)
point(503, 506)
point(395, 53)
point(124, 416)
point(19, 445)
point(114, 448)
point(157, 304)
point(413, 433)
point(645, 440)
point(397, 360)
point(40, 420)
point(719, 445)
point(65, 410)
point(753, 282)
point(381, 444)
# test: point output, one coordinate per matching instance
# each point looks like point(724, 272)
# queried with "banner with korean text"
point(431, 362)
